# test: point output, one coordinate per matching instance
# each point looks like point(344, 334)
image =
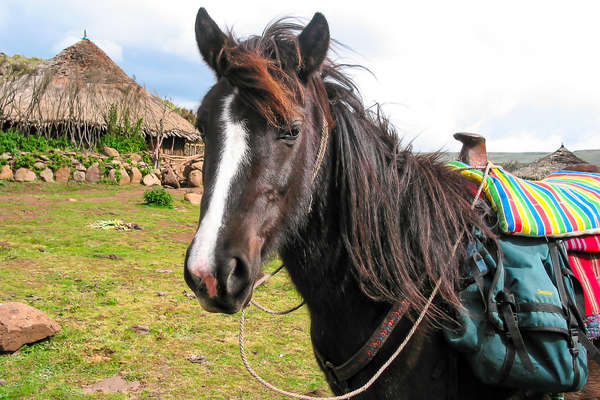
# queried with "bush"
point(122, 134)
point(14, 141)
point(158, 198)
point(23, 161)
point(57, 160)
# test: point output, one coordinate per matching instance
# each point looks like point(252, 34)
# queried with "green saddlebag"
point(521, 327)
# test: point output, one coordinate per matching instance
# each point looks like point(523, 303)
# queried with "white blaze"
point(232, 157)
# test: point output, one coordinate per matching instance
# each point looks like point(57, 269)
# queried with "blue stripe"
point(566, 221)
point(589, 208)
point(508, 215)
point(536, 216)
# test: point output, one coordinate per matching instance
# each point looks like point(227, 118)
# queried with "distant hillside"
point(591, 156)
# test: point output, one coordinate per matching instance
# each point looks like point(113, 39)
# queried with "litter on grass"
point(116, 224)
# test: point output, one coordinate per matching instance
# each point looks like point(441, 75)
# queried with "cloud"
point(440, 67)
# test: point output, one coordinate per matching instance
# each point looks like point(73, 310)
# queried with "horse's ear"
point(209, 37)
point(314, 43)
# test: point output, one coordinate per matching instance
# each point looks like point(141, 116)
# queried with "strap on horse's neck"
point(342, 373)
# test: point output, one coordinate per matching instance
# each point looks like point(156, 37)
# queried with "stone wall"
point(109, 167)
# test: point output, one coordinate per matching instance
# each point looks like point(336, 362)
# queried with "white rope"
point(355, 392)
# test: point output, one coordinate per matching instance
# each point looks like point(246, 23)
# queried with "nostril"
point(238, 277)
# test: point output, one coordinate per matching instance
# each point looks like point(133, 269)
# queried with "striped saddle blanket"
point(563, 204)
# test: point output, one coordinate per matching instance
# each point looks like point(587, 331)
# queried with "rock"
point(196, 358)
point(114, 384)
point(189, 295)
point(21, 324)
point(197, 165)
point(47, 175)
point(194, 198)
point(79, 176)
point(135, 157)
point(151, 180)
point(2, 382)
point(5, 156)
point(80, 167)
point(116, 162)
point(123, 180)
point(143, 329)
point(162, 294)
point(109, 151)
point(93, 173)
point(195, 178)
point(156, 172)
point(6, 172)
point(39, 165)
point(62, 174)
point(44, 157)
point(136, 175)
point(24, 175)
point(110, 256)
point(163, 271)
point(171, 179)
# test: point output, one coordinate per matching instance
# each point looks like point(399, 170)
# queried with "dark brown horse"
point(364, 226)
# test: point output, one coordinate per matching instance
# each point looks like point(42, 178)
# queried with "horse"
point(296, 165)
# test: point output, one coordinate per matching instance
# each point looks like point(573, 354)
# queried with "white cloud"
point(441, 66)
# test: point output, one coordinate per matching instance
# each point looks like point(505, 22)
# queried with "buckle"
point(574, 341)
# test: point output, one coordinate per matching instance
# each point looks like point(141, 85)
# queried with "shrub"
point(24, 161)
point(57, 160)
point(122, 134)
point(159, 198)
point(14, 141)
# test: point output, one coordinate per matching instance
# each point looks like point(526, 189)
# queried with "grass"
point(47, 260)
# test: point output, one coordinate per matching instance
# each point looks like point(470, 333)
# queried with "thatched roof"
point(560, 159)
point(78, 87)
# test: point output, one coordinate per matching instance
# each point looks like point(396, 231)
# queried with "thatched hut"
point(80, 92)
point(560, 159)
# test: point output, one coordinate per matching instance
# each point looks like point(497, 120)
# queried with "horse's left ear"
point(314, 43)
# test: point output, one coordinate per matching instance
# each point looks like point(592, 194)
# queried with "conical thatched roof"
point(560, 159)
point(77, 88)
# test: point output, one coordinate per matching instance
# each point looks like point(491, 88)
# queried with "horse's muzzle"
point(224, 287)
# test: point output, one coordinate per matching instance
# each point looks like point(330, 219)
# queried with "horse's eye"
point(292, 132)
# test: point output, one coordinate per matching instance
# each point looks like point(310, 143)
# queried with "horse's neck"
point(342, 317)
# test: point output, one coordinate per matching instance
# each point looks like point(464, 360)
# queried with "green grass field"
point(47, 260)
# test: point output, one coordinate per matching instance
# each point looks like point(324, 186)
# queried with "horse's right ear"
point(209, 37)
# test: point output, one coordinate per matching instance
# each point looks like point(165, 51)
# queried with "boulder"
point(123, 180)
point(93, 173)
point(21, 324)
point(109, 151)
point(157, 172)
point(39, 165)
point(80, 167)
point(170, 178)
point(151, 180)
point(136, 175)
point(44, 157)
point(24, 175)
point(197, 165)
point(135, 157)
point(195, 178)
point(47, 175)
point(79, 176)
point(6, 172)
point(194, 198)
point(62, 174)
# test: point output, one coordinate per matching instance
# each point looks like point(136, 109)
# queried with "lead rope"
point(380, 371)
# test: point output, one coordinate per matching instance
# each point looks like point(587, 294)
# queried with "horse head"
point(262, 124)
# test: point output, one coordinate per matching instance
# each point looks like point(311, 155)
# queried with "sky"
point(524, 74)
